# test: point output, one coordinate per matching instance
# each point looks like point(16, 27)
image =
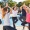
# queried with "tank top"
point(28, 17)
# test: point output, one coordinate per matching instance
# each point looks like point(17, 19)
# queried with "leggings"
point(8, 28)
point(0, 21)
point(14, 21)
point(23, 24)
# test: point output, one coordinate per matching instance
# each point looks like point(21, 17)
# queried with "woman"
point(14, 18)
point(28, 17)
point(5, 17)
point(27, 9)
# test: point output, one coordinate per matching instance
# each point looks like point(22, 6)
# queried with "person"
point(20, 18)
point(0, 15)
point(23, 17)
point(27, 9)
point(28, 16)
point(5, 17)
point(14, 18)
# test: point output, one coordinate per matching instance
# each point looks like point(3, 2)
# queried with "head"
point(15, 8)
point(4, 11)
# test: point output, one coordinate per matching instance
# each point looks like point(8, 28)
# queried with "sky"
point(19, 0)
point(0, 0)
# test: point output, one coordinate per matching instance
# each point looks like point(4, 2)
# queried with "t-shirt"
point(14, 13)
point(7, 20)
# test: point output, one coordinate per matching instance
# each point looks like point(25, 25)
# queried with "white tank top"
point(7, 20)
point(14, 13)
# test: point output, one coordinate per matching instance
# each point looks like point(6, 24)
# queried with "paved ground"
point(18, 28)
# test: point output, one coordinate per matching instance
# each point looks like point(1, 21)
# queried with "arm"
point(27, 9)
point(11, 10)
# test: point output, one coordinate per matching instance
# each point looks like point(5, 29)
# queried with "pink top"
point(28, 17)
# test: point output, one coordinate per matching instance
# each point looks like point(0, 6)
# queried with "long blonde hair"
point(4, 12)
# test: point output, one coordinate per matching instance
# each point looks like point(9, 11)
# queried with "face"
point(15, 8)
point(25, 7)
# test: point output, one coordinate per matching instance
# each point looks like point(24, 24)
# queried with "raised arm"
point(11, 10)
point(26, 8)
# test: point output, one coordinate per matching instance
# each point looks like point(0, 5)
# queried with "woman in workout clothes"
point(14, 18)
point(5, 17)
point(27, 9)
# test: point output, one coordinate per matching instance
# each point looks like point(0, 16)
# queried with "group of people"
point(6, 11)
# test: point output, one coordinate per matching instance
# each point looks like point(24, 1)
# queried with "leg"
point(20, 18)
point(16, 19)
point(4, 28)
point(0, 21)
point(29, 26)
point(13, 18)
point(23, 24)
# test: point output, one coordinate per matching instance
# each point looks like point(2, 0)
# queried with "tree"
point(19, 4)
point(1, 3)
point(11, 3)
point(27, 2)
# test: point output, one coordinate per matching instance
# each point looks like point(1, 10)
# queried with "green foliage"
point(19, 4)
point(11, 3)
point(1, 3)
point(27, 2)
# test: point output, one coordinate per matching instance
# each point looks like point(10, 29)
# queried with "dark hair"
point(2, 6)
point(8, 9)
point(5, 9)
point(14, 7)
